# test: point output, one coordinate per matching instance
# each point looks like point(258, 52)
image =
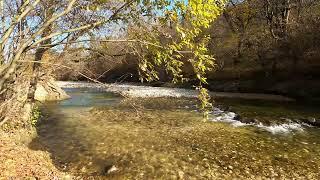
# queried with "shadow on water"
point(68, 146)
point(66, 133)
point(165, 139)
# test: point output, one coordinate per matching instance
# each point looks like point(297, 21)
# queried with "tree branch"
point(23, 14)
point(11, 66)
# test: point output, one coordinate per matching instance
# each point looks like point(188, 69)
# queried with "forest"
point(258, 46)
point(159, 89)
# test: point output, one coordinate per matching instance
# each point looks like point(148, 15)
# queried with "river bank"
point(18, 161)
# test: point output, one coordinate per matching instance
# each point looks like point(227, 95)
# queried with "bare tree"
point(31, 28)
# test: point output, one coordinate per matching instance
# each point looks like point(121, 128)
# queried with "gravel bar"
point(130, 90)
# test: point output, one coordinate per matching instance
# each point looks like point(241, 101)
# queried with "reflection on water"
point(100, 135)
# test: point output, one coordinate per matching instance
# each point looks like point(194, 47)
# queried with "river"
point(99, 135)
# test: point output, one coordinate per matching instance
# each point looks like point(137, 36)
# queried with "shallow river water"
point(99, 135)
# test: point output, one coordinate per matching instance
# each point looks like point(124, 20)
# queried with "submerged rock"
point(311, 121)
point(237, 117)
point(286, 120)
point(109, 169)
point(248, 121)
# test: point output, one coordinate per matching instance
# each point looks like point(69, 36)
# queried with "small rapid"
point(217, 115)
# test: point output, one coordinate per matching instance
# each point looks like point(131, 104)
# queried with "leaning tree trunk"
point(16, 107)
point(40, 51)
point(43, 86)
point(21, 90)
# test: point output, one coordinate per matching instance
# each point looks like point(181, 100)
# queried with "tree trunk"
point(15, 106)
point(37, 74)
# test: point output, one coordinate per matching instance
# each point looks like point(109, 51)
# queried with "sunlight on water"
point(101, 135)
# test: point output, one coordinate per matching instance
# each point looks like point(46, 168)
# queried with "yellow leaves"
point(182, 34)
point(189, 20)
point(204, 12)
point(143, 67)
point(174, 17)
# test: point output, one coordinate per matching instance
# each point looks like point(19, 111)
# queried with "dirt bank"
point(20, 162)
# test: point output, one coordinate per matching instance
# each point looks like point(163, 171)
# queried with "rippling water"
point(100, 135)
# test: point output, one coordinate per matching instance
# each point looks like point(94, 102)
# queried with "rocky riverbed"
point(160, 134)
point(279, 124)
point(98, 134)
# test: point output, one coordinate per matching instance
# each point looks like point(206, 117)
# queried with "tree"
point(32, 27)
point(286, 19)
point(240, 16)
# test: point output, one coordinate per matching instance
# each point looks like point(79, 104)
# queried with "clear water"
point(99, 135)
point(86, 97)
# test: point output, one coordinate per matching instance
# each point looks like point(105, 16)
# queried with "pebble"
point(83, 169)
point(112, 169)
point(181, 174)
point(67, 177)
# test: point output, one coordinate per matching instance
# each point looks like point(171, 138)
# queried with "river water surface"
point(101, 135)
